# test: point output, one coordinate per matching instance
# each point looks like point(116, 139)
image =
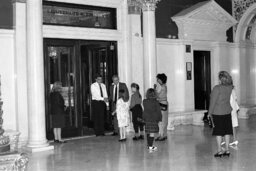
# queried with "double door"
point(74, 64)
point(202, 83)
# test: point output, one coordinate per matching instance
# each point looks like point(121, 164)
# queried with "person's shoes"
point(152, 149)
point(141, 137)
point(223, 143)
point(235, 143)
point(172, 128)
point(62, 142)
point(162, 139)
point(135, 138)
point(158, 138)
point(114, 134)
point(56, 141)
point(226, 153)
point(122, 140)
point(219, 154)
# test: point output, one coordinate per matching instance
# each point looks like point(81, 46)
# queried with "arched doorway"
point(245, 37)
point(246, 28)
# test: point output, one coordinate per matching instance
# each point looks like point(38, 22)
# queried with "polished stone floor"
point(189, 148)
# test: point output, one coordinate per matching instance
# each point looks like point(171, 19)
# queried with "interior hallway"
point(188, 148)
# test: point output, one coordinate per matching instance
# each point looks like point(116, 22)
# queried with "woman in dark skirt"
point(136, 109)
point(220, 112)
point(57, 111)
point(161, 93)
point(152, 116)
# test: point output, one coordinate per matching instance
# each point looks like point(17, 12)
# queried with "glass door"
point(60, 66)
point(96, 57)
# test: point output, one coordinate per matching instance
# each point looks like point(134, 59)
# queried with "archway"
point(246, 29)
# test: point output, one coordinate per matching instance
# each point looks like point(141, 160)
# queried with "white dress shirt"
point(116, 86)
point(95, 91)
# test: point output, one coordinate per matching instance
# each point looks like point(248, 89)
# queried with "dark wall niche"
point(6, 14)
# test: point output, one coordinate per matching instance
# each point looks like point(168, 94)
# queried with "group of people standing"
point(150, 114)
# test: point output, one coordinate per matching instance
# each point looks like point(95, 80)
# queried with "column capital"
point(134, 7)
point(148, 5)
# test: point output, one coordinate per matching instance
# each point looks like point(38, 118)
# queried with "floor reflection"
point(188, 148)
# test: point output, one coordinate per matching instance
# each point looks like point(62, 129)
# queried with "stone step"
point(246, 110)
point(193, 117)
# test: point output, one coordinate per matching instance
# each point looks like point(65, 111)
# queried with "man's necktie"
point(101, 92)
point(115, 98)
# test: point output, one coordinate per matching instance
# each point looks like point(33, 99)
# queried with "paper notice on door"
point(68, 95)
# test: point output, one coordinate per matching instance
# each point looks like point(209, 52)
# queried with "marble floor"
point(189, 148)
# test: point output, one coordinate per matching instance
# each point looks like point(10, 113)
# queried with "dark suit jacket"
point(121, 86)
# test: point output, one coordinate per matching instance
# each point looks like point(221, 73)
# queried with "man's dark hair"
point(97, 75)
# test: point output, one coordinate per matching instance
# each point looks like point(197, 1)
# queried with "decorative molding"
point(19, 1)
point(81, 33)
point(101, 3)
point(14, 161)
point(147, 5)
point(134, 7)
point(204, 21)
point(239, 9)
point(240, 6)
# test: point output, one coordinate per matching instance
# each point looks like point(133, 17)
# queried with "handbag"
point(164, 107)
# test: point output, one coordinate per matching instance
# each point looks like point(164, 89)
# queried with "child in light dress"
point(122, 113)
point(235, 108)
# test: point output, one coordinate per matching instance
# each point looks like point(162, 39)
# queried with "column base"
point(36, 149)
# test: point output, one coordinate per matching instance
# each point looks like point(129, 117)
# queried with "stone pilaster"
point(149, 42)
point(35, 74)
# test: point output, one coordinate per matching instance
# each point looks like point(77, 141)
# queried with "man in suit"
point(114, 96)
point(99, 101)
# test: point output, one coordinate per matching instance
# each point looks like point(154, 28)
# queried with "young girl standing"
point(122, 113)
point(152, 116)
point(235, 108)
point(136, 109)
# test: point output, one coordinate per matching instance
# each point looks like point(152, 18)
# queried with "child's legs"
point(164, 122)
point(124, 132)
point(150, 139)
point(161, 130)
point(120, 132)
point(135, 123)
point(141, 126)
point(234, 134)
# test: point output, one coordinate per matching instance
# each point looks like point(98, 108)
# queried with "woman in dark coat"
point(152, 116)
point(57, 111)
point(220, 112)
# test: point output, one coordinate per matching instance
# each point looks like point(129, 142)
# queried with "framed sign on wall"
point(55, 13)
point(189, 70)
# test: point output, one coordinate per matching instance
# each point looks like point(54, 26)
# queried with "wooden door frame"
point(69, 43)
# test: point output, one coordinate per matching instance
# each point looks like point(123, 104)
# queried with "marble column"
point(19, 17)
point(149, 42)
point(136, 43)
point(35, 74)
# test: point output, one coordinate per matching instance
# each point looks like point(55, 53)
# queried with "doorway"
point(96, 57)
point(75, 63)
point(202, 82)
